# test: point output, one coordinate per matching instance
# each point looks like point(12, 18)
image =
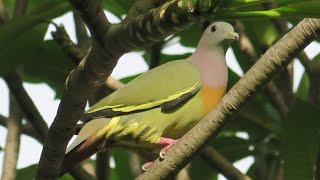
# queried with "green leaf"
point(30, 172)
point(49, 8)
point(122, 170)
point(234, 4)
point(167, 58)
point(301, 136)
point(232, 147)
point(118, 7)
point(126, 80)
point(27, 172)
point(297, 10)
point(282, 3)
point(42, 61)
point(21, 48)
point(301, 9)
point(49, 65)
point(199, 169)
point(304, 86)
point(16, 29)
point(190, 37)
point(303, 89)
point(9, 7)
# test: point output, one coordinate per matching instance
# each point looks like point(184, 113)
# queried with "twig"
point(102, 165)
point(9, 169)
point(3, 13)
point(76, 53)
point(221, 164)
point(73, 51)
point(135, 164)
point(141, 7)
point(154, 55)
point(20, 7)
point(276, 58)
point(286, 76)
point(81, 32)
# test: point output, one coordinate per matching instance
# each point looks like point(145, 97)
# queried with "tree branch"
point(20, 7)
point(9, 168)
point(26, 104)
point(141, 7)
point(221, 164)
point(102, 165)
point(81, 32)
point(92, 14)
point(275, 59)
point(3, 13)
point(26, 129)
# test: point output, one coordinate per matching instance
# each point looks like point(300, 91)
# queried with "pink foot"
point(167, 143)
point(146, 166)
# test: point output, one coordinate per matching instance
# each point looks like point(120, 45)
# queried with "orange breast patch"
point(212, 96)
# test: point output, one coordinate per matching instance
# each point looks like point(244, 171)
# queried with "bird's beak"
point(232, 35)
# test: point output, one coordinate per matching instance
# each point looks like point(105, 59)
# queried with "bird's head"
point(219, 35)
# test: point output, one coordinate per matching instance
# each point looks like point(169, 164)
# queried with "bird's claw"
point(161, 154)
point(167, 144)
point(146, 166)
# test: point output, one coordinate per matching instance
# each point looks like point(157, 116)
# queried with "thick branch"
point(274, 60)
point(221, 164)
point(92, 14)
point(141, 7)
point(9, 169)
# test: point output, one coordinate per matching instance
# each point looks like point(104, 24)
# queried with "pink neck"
point(212, 66)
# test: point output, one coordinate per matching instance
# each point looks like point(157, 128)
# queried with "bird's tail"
point(87, 143)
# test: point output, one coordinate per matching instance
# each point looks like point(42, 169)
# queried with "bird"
point(149, 114)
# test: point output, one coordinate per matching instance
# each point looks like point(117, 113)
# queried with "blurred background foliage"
point(283, 145)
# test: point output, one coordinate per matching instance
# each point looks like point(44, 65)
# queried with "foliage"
point(294, 137)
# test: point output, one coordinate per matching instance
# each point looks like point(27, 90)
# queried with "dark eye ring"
point(213, 28)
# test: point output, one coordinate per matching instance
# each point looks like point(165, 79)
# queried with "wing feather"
point(153, 88)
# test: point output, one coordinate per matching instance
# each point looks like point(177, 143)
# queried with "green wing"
point(167, 85)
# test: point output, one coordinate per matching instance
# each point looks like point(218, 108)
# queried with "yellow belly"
point(212, 96)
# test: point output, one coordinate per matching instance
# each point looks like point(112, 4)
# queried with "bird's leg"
point(167, 143)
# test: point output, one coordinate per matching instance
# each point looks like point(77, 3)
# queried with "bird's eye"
point(213, 28)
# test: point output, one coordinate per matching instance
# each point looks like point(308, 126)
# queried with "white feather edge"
point(88, 130)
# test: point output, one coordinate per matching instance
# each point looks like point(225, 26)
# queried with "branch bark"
point(274, 60)
point(11, 152)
